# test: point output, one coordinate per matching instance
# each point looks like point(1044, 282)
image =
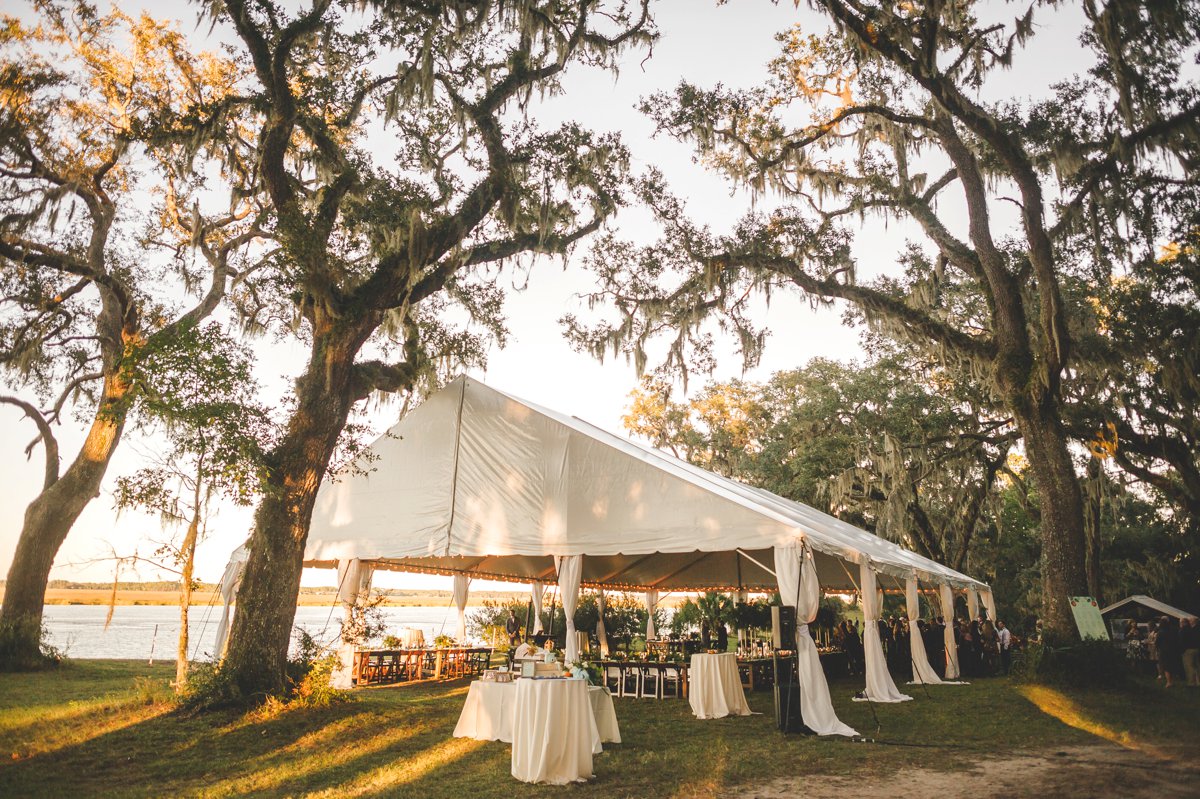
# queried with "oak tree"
point(894, 113)
point(120, 223)
point(394, 149)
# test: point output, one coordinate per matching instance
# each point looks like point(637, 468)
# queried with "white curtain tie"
point(802, 629)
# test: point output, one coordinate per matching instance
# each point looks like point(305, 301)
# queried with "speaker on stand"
point(786, 663)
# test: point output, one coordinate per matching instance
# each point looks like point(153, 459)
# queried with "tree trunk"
point(1062, 528)
point(48, 519)
point(1092, 526)
point(188, 551)
point(256, 660)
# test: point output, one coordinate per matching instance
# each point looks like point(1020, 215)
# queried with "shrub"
point(1084, 664)
point(315, 689)
point(208, 688)
point(12, 638)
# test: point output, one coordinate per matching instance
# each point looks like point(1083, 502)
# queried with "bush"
point(624, 617)
point(315, 689)
point(309, 671)
point(208, 688)
point(13, 638)
point(1086, 664)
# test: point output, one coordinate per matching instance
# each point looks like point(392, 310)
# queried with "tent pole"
point(912, 660)
point(757, 563)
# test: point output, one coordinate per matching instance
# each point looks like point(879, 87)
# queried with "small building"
point(1140, 609)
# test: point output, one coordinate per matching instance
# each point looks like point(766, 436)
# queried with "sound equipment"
point(783, 627)
point(788, 716)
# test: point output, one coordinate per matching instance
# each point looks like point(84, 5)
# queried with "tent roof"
point(1159, 607)
point(478, 481)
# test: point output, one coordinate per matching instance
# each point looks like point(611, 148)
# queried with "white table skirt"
point(487, 715)
point(714, 687)
point(605, 714)
point(554, 732)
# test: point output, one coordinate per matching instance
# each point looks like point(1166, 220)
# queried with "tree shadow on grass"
point(225, 753)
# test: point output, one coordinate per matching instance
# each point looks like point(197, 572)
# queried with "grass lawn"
point(101, 728)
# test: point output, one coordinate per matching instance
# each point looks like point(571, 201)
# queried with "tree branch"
point(47, 436)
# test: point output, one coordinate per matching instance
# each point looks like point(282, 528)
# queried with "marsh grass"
point(102, 728)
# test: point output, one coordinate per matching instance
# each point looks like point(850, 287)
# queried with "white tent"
point(478, 482)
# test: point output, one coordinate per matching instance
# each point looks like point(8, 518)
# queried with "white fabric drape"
point(354, 580)
point(972, 603)
point(880, 687)
point(922, 671)
point(947, 598)
point(601, 633)
point(570, 570)
point(989, 602)
point(799, 588)
point(231, 580)
point(354, 586)
point(462, 585)
point(536, 592)
point(651, 606)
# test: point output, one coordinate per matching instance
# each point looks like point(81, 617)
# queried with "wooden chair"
point(481, 661)
point(410, 664)
point(628, 683)
point(672, 681)
point(650, 683)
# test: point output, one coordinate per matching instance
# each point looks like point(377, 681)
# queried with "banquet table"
point(715, 687)
point(374, 666)
point(626, 669)
point(487, 714)
point(554, 731)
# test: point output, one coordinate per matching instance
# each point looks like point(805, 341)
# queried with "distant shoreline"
point(308, 598)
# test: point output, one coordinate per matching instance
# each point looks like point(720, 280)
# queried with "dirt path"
point(1083, 772)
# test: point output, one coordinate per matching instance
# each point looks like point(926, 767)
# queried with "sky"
point(700, 42)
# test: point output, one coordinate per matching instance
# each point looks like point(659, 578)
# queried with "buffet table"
point(715, 687)
point(487, 715)
point(554, 731)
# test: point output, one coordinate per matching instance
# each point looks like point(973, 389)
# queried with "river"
point(79, 631)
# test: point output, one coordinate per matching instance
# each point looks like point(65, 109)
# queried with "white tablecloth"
point(487, 715)
point(605, 714)
point(554, 732)
point(714, 687)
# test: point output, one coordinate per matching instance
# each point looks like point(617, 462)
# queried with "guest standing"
point(1189, 642)
point(1004, 638)
point(513, 628)
point(1170, 656)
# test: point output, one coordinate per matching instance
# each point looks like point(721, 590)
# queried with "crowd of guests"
point(1172, 645)
point(984, 648)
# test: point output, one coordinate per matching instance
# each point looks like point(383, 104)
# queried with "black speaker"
point(783, 627)
point(788, 716)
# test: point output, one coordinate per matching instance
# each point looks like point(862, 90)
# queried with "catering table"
point(715, 688)
point(487, 715)
point(554, 732)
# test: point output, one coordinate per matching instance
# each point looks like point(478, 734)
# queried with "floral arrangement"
point(585, 670)
point(443, 641)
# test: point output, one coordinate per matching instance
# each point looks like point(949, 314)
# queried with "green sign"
point(1088, 619)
